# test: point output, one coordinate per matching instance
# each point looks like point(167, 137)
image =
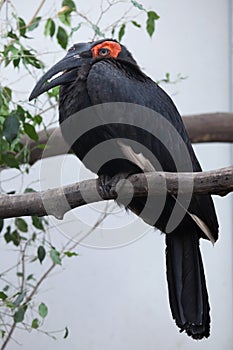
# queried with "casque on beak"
point(66, 67)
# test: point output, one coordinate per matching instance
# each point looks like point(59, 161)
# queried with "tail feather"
point(186, 283)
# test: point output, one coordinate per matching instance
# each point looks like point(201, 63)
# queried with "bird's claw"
point(107, 184)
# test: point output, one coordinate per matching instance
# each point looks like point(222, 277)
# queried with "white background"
point(117, 298)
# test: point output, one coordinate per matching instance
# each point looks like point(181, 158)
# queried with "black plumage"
point(104, 72)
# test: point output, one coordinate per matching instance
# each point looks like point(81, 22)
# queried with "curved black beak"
point(64, 71)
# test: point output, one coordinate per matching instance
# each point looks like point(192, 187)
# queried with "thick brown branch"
point(212, 127)
point(60, 200)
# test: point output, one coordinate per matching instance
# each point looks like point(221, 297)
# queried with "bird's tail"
point(186, 283)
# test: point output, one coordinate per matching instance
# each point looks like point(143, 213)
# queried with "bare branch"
point(43, 277)
point(212, 127)
point(36, 13)
point(2, 3)
point(58, 201)
point(8, 336)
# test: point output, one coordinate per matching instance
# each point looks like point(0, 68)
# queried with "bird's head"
point(66, 70)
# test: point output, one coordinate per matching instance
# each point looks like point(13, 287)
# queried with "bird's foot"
point(107, 185)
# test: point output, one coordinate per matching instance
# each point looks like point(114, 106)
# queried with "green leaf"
point(22, 26)
point(41, 253)
point(10, 128)
point(75, 29)
point(10, 160)
point(138, 5)
point(69, 3)
point(34, 235)
point(19, 299)
point(3, 333)
point(3, 296)
point(121, 32)
point(66, 333)
point(38, 119)
point(19, 314)
point(10, 305)
point(6, 288)
point(70, 254)
point(50, 27)
point(153, 15)
point(14, 53)
point(7, 235)
point(29, 190)
point(55, 256)
point(30, 277)
point(21, 224)
point(16, 62)
point(1, 224)
point(15, 237)
point(167, 77)
point(62, 37)
point(5, 94)
point(150, 23)
point(30, 131)
point(29, 58)
point(20, 112)
point(35, 323)
point(98, 31)
point(136, 24)
point(43, 310)
point(34, 24)
point(54, 92)
point(37, 222)
point(12, 35)
point(113, 31)
point(65, 17)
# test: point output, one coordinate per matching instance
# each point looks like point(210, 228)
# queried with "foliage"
point(20, 121)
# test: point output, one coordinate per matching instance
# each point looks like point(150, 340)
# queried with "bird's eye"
point(104, 51)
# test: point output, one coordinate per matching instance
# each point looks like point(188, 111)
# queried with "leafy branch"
point(21, 127)
point(23, 300)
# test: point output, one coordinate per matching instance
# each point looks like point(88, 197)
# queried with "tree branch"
point(36, 13)
point(212, 127)
point(58, 201)
point(8, 336)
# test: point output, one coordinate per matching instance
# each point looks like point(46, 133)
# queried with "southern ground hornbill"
point(104, 73)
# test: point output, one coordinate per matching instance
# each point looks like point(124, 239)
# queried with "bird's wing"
point(110, 81)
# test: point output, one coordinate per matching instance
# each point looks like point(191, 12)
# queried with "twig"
point(9, 335)
point(43, 277)
point(36, 13)
point(22, 253)
point(2, 3)
point(98, 222)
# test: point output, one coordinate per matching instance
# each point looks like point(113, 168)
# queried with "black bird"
point(104, 72)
